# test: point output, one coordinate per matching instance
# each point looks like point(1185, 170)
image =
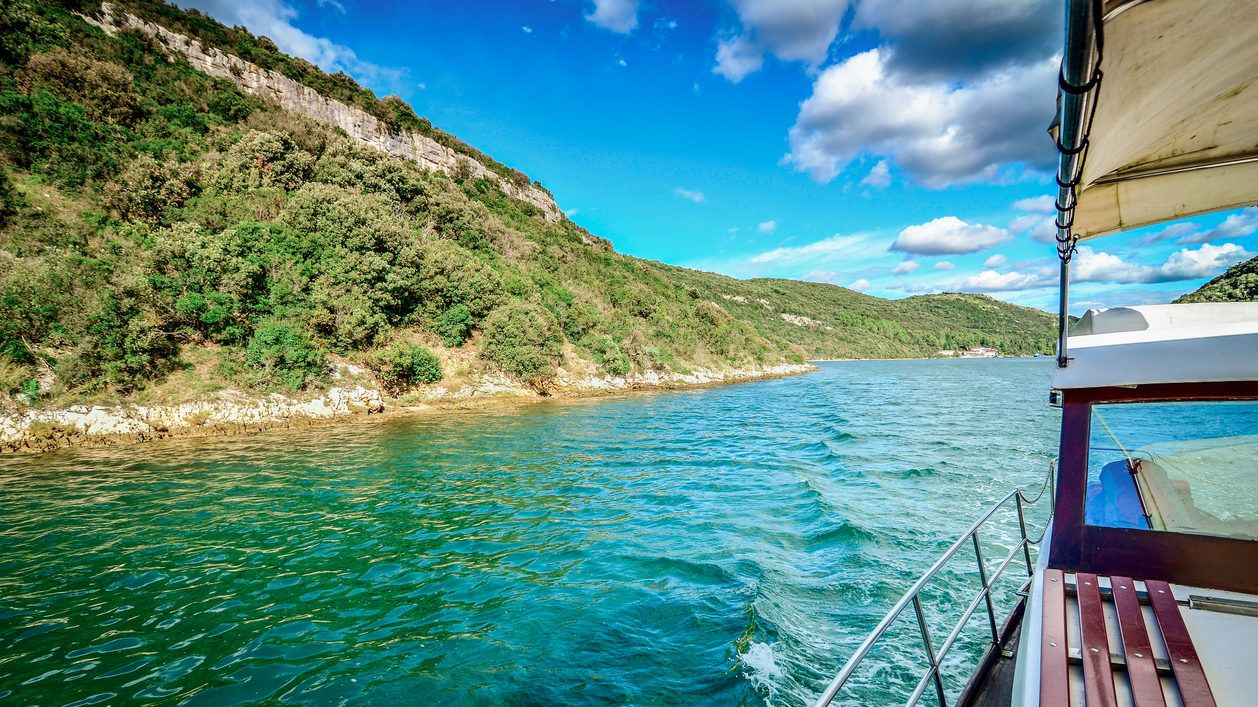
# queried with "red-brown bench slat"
point(1142, 672)
point(1098, 675)
point(1193, 686)
point(1054, 671)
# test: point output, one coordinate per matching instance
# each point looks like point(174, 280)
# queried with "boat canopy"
point(1175, 127)
point(1166, 343)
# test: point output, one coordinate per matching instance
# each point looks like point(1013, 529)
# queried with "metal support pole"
point(1063, 315)
point(987, 594)
point(930, 650)
point(1026, 541)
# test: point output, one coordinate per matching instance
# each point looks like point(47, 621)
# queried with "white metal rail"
point(913, 598)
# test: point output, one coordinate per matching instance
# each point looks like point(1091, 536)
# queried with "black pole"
point(1080, 78)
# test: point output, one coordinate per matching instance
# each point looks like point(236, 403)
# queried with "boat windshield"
point(1182, 467)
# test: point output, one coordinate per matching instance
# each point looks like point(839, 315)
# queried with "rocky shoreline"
point(234, 412)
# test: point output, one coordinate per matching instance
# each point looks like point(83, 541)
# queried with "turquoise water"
point(729, 545)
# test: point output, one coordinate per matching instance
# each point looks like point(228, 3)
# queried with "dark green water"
point(720, 546)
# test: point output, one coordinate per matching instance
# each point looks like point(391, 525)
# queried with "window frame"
point(1197, 560)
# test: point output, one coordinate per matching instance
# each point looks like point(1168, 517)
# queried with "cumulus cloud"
point(619, 16)
point(992, 281)
point(879, 177)
point(690, 195)
point(275, 18)
point(860, 285)
point(945, 265)
point(904, 267)
point(948, 235)
point(767, 226)
point(941, 133)
point(995, 261)
point(1090, 265)
point(949, 40)
point(791, 30)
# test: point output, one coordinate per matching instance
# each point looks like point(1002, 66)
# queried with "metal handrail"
point(912, 597)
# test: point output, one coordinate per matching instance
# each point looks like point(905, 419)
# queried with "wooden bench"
point(1092, 649)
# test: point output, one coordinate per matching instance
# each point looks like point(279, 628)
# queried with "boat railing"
point(912, 597)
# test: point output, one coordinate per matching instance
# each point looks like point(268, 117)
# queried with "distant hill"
point(1238, 284)
point(159, 223)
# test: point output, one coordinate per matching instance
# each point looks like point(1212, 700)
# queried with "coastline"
point(233, 412)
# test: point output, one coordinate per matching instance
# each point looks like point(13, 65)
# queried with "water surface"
point(720, 546)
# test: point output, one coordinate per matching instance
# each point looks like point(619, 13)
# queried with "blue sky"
point(874, 144)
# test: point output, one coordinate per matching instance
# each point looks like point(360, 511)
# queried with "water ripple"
point(728, 545)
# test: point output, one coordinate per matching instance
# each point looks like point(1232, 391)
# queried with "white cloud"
point(736, 57)
point(767, 226)
point(791, 30)
point(619, 16)
point(860, 285)
point(879, 177)
point(941, 132)
point(1238, 225)
point(948, 235)
point(571, 212)
point(1206, 261)
point(836, 245)
point(1091, 265)
point(995, 261)
point(992, 281)
point(526, 29)
point(944, 265)
point(621, 62)
point(690, 195)
point(904, 267)
point(1037, 204)
point(275, 18)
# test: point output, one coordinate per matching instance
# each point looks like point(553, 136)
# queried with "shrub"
point(123, 346)
point(11, 200)
point(147, 188)
point(263, 159)
point(454, 325)
point(281, 355)
point(607, 354)
point(524, 340)
point(403, 365)
point(45, 133)
point(105, 89)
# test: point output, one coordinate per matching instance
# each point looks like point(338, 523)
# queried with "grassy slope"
point(1238, 284)
point(161, 231)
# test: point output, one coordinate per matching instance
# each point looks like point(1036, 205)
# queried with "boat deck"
point(1115, 641)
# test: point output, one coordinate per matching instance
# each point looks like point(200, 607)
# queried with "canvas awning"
point(1175, 129)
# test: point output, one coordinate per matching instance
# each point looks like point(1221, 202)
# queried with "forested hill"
point(1238, 284)
point(157, 224)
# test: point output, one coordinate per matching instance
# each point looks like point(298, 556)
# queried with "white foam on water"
point(762, 668)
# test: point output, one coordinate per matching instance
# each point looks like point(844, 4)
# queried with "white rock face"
point(39, 429)
point(233, 411)
point(292, 96)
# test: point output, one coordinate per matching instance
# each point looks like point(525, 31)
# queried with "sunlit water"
point(722, 546)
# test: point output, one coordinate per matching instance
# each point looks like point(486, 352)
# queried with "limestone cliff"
point(292, 96)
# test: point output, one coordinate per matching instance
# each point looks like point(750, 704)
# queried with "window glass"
point(1184, 467)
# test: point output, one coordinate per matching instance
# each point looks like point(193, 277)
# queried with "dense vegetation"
point(160, 228)
point(1238, 284)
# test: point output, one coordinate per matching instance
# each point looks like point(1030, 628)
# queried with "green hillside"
point(158, 225)
point(1238, 284)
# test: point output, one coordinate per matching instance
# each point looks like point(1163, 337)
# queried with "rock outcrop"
point(292, 96)
point(24, 429)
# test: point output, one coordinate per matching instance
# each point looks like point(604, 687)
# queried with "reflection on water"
point(727, 545)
